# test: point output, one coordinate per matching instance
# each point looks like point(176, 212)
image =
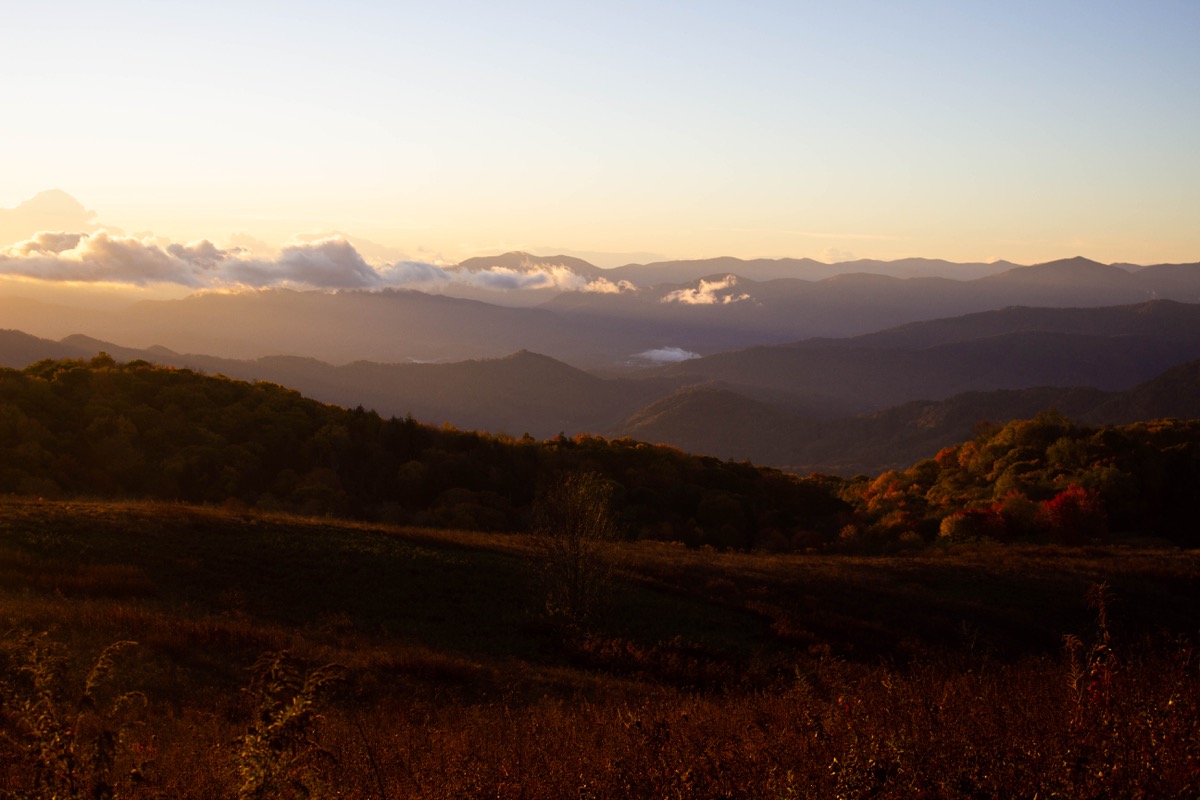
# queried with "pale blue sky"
point(967, 131)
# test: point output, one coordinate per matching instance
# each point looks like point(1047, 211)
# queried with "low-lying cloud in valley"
point(666, 355)
point(605, 286)
point(542, 277)
point(708, 293)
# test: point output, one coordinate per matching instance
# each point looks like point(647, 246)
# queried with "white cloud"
point(101, 257)
point(371, 251)
point(104, 257)
point(323, 264)
point(667, 355)
point(48, 243)
point(203, 254)
point(55, 239)
point(708, 293)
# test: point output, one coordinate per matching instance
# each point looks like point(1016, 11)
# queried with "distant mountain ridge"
point(520, 393)
point(895, 437)
point(602, 322)
point(851, 304)
point(682, 271)
point(767, 269)
point(861, 404)
point(1164, 318)
point(868, 378)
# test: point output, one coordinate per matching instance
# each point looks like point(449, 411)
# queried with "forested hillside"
point(1041, 479)
point(101, 429)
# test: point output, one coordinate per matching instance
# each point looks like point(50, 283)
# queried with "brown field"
point(287, 657)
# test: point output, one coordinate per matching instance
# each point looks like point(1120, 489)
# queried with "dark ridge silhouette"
point(18, 349)
point(1173, 394)
point(1159, 318)
point(1077, 271)
point(98, 428)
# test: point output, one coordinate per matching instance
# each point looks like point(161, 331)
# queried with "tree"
point(1075, 515)
point(573, 527)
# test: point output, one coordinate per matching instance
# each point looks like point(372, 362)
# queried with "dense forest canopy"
point(1041, 479)
point(98, 428)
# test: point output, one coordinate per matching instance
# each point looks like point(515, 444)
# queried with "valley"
point(599, 401)
point(966, 556)
point(861, 403)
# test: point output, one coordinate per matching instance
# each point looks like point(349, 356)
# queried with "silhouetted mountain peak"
point(1074, 262)
point(524, 356)
point(536, 367)
point(80, 340)
point(1067, 272)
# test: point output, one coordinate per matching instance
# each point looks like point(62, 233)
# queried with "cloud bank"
point(104, 258)
point(331, 263)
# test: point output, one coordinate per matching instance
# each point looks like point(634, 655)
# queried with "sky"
point(621, 131)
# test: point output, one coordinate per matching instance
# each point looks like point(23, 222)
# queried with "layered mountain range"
point(724, 365)
point(607, 322)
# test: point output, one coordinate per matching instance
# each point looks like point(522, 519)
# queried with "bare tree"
point(573, 525)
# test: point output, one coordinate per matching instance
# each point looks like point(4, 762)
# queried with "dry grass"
point(1011, 731)
point(710, 675)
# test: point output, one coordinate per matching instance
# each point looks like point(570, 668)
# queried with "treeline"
point(73, 428)
point(1044, 479)
point(102, 429)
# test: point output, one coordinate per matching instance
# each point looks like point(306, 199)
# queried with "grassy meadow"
point(280, 656)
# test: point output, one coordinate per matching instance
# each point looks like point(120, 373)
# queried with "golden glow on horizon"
point(85, 294)
point(763, 130)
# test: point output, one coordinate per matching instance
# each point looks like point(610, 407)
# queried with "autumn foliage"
point(1041, 480)
point(102, 429)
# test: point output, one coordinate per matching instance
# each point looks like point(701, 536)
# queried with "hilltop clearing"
point(703, 672)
